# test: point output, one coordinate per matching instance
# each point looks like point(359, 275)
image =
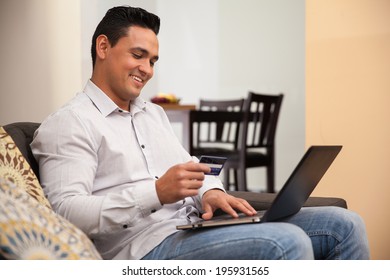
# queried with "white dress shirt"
point(98, 166)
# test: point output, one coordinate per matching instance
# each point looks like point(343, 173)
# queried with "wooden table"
point(178, 113)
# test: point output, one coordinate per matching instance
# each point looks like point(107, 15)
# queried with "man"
point(111, 164)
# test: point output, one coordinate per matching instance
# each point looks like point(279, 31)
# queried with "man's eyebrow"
point(144, 51)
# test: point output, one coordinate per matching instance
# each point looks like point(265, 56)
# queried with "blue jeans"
point(313, 233)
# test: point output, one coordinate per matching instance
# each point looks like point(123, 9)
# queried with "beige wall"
point(348, 98)
point(40, 57)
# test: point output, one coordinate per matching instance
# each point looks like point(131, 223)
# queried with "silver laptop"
point(291, 197)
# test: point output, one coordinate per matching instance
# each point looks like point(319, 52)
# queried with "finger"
point(192, 192)
point(208, 212)
point(205, 168)
point(228, 209)
point(197, 167)
point(193, 184)
point(188, 179)
point(243, 206)
point(196, 176)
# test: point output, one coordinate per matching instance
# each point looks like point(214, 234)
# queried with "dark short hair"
point(116, 22)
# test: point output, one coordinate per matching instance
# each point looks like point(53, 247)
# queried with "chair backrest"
point(203, 129)
point(22, 133)
point(221, 105)
point(261, 118)
point(219, 131)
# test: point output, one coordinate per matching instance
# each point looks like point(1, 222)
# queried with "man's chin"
point(133, 94)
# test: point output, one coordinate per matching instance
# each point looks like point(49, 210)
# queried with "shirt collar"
point(138, 105)
point(105, 105)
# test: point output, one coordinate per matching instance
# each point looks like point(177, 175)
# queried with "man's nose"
point(146, 68)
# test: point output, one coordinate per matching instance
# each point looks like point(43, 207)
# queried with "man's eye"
point(137, 56)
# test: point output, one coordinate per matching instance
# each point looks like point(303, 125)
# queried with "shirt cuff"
point(210, 182)
point(148, 200)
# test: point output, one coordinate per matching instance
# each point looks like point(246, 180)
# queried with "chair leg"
point(226, 178)
point(241, 186)
point(270, 179)
point(235, 178)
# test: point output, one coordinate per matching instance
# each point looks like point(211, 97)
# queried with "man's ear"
point(102, 45)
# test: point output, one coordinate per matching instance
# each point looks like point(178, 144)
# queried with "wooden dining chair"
point(256, 146)
point(222, 129)
point(214, 129)
point(218, 136)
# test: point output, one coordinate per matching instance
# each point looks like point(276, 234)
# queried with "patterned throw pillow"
point(29, 230)
point(15, 168)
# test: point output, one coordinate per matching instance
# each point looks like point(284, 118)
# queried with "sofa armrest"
point(262, 201)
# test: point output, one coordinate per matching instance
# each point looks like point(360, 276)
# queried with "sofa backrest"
point(22, 133)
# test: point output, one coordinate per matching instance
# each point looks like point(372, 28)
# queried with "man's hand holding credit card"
point(215, 164)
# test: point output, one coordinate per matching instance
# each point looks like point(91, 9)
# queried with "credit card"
point(215, 164)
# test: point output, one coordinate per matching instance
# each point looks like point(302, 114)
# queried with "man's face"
point(128, 66)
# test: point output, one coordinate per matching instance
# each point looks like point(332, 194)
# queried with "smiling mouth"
point(137, 79)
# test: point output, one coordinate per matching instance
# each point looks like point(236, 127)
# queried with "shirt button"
point(156, 177)
point(143, 146)
point(124, 226)
point(153, 211)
